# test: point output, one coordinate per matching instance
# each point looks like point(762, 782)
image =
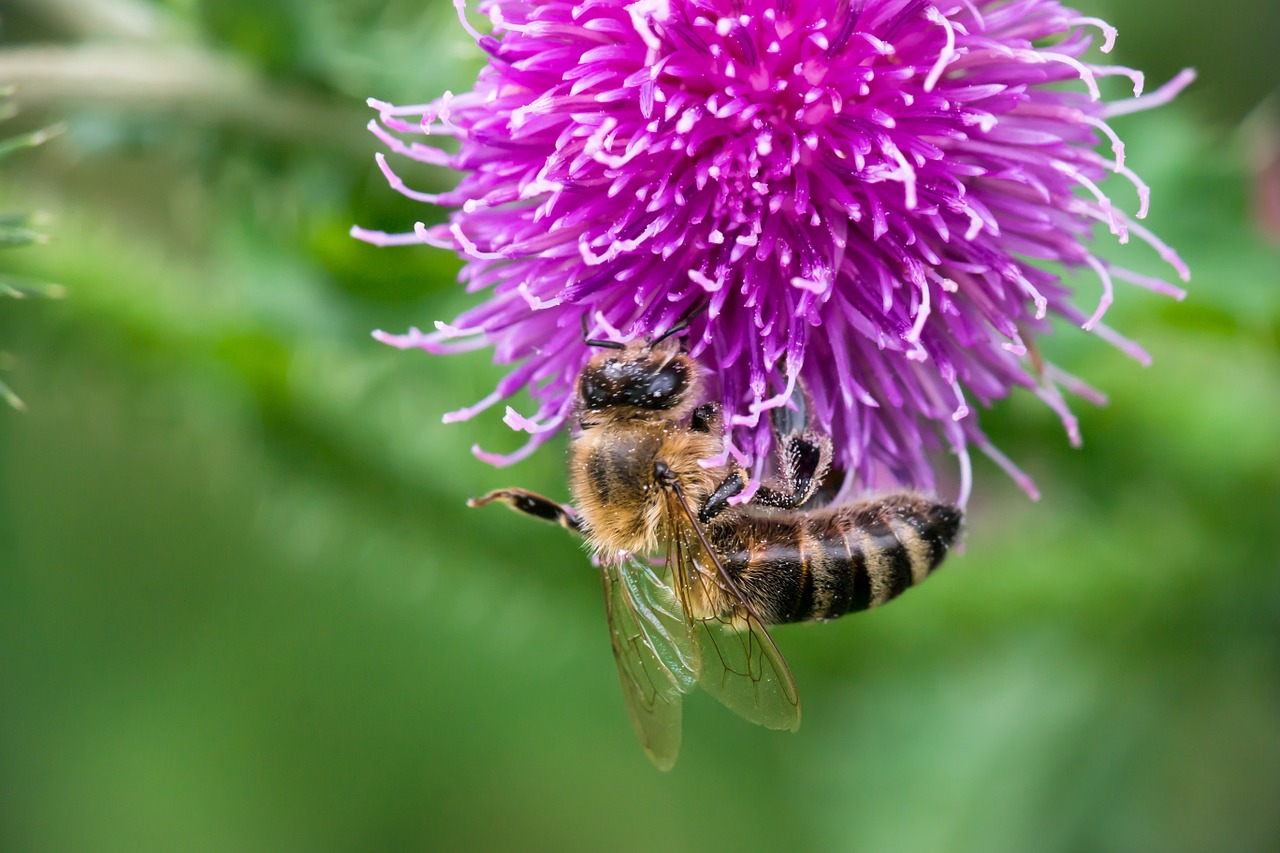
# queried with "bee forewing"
point(741, 666)
point(752, 680)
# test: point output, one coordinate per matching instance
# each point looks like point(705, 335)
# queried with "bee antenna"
point(594, 343)
point(683, 323)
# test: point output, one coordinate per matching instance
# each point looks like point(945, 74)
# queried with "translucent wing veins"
point(741, 666)
point(656, 662)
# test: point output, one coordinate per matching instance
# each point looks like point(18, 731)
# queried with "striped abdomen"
point(799, 566)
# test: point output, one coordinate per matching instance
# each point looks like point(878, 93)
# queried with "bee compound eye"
point(666, 384)
point(593, 393)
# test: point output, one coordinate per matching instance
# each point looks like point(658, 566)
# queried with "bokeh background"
point(243, 607)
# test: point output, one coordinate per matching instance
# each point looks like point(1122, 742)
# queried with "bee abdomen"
point(825, 564)
point(873, 552)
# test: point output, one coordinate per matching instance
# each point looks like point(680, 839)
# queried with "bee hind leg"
point(804, 459)
point(533, 504)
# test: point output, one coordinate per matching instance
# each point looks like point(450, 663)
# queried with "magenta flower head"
point(867, 202)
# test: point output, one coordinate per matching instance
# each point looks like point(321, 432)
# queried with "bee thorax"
point(623, 475)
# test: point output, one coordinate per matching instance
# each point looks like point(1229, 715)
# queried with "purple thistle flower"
point(860, 193)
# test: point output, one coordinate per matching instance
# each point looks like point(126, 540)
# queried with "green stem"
point(186, 81)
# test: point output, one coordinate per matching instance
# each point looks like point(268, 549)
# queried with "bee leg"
point(718, 500)
point(803, 463)
point(804, 457)
point(533, 504)
point(705, 418)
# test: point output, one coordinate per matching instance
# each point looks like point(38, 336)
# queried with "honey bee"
point(698, 619)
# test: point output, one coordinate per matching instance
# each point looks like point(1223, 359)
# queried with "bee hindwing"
point(656, 662)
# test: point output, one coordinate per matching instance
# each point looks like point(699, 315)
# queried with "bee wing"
point(741, 666)
point(656, 662)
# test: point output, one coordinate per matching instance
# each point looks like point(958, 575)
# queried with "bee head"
point(637, 380)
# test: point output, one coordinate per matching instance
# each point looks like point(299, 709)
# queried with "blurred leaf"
point(270, 32)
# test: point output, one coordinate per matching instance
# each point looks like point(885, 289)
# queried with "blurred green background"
point(243, 607)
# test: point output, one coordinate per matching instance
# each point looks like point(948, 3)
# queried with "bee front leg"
point(705, 418)
point(533, 504)
point(708, 418)
point(718, 500)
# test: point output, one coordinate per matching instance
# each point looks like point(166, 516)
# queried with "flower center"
point(764, 107)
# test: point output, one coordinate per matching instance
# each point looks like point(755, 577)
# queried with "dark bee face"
point(649, 382)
